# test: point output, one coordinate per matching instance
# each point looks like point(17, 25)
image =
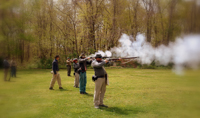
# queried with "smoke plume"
point(104, 54)
point(183, 52)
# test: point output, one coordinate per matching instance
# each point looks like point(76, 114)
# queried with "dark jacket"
point(55, 66)
point(83, 64)
point(98, 68)
point(6, 65)
point(76, 67)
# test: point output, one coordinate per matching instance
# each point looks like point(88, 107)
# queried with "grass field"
point(134, 93)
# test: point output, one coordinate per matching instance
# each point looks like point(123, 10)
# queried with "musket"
point(116, 59)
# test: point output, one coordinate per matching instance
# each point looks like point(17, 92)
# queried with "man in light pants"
point(56, 75)
point(76, 74)
point(100, 83)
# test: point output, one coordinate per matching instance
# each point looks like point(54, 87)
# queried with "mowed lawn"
point(134, 93)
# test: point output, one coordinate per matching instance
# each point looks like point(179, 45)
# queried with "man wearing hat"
point(68, 61)
point(76, 68)
point(100, 82)
point(82, 76)
point(56, 75)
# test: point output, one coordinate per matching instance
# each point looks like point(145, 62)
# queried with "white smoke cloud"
point(104, 54)
point(183, 52)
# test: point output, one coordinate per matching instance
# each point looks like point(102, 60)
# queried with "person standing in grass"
point(68, 61)
point(6, 66)
point(83, 61)
point(56, 75)
point(100, 82)
point(13, 67)
point(76, 74)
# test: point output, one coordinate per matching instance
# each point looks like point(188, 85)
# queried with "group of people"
point(12, 65)
point(80, 68)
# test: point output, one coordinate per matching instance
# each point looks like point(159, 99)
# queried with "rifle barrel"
point(123, 58)
point(129, 57)
point(117, 58)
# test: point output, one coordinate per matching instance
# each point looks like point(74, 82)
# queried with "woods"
point(43, 28)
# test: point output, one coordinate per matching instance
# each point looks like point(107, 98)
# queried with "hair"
point(57, 56)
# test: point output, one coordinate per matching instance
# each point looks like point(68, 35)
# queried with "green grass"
point(134, 93)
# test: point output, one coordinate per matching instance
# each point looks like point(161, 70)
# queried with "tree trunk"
point(170, 22)
point(51, 28)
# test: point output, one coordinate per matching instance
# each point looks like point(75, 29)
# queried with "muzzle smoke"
point(184, 52)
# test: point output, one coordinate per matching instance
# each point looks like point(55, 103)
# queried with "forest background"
point(34, 31)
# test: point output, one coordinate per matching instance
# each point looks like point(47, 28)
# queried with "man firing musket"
point(100, 78)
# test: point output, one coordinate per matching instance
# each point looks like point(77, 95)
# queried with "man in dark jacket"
point(6, 66)
point(82, 76)
point(56, 75)
point(76, 74)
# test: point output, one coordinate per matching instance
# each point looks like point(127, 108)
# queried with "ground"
point(134, 93)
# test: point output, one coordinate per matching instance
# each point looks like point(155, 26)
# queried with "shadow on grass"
point(123, 111)
point(89, 94)
point(10, 81)
point(61, 90)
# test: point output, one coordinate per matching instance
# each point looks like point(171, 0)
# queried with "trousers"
point(76, 80)
point(5, 74)
point(83, 81)
point(13, 71)
point(99, 91)
point(68, 70)
point(54, 79)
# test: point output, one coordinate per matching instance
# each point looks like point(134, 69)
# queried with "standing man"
point(68, 61)
point(76, 68)
point(82, 76)
point(6, 66)
point(13, 68)
point(56, 75)
point(100, 82)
